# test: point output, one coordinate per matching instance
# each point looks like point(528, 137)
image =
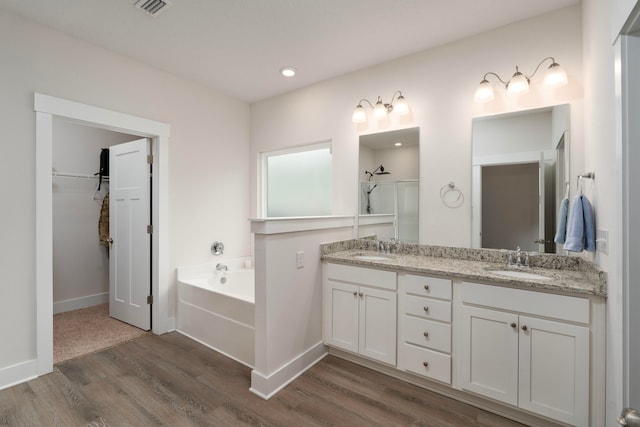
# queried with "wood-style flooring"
point(170, 380)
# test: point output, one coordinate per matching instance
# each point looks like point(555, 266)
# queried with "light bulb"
point(555, 76)
point(359, 115)
point(379, 110)
point(484, 92)
point(401, 106)
point(518, 83)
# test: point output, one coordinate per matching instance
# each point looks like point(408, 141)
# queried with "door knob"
point(111, 240)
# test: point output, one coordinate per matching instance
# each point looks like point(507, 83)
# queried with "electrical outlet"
point(299, 259)
point(602, 240)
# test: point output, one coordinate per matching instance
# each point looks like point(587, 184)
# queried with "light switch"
point(299, 259)
point(602, 240)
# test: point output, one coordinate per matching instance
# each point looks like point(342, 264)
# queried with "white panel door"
point(341, 315)
point(554, 370)
point(129, 216)
point(378, 316)
point(488, 362)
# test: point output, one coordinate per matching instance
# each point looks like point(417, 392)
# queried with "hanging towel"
point(589, 225)
point(561, 233)
point(575, 226)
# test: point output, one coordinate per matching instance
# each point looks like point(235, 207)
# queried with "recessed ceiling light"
point(398, 144)
point(288, 71)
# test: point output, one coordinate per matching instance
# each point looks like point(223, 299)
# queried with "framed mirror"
point(520, 173)
point(388, 185)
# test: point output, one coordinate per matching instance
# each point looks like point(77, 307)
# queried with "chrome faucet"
point(221, 267)
point(518, 258)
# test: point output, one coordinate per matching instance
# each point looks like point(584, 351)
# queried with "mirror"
point(520, 173)
point(388, 178)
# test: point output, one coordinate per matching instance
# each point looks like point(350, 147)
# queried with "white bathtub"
point(217, 308)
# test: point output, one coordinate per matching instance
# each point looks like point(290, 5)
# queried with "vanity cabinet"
point(527, 349)
point(424, 342)
point(360, 311)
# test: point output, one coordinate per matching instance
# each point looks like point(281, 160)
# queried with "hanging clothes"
point(103, 222)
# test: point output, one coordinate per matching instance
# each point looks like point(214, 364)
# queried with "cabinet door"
point(489, 353)
point(554, 370)
point(378, 317)
point(340, 312)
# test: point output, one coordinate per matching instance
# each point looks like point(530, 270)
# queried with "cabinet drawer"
point(427, 286)
point(427, 333)
point(428, 363)
point(427, 308)
point(361, 276)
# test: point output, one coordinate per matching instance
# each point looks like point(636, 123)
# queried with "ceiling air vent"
point(153, 7)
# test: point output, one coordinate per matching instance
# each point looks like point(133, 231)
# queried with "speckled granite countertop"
point(572, 275)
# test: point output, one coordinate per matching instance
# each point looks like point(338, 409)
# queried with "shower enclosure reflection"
point(388, 189)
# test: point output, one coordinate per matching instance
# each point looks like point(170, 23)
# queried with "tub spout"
point(221, 267)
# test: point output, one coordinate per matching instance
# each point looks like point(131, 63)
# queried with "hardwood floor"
point(170, 380)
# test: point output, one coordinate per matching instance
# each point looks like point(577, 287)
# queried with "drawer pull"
point(426, 334)
point(425, 364)
point(524, 327)
point(426, 288)
point(426, 309)
point(513, 325)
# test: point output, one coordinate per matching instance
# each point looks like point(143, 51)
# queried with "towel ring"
point(451, 188)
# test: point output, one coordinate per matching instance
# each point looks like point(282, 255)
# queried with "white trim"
point(81, 302)
point(267, 385)
point(18, 373)
point(307, 223)
point(46, 108)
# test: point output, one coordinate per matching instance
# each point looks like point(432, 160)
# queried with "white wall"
point(80, 264)
point(439, 85)
point(208, 153)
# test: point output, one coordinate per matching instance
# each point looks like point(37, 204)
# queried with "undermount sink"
point(521, 274)
point(372, 257)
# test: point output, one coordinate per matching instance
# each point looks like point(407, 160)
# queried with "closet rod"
point(77, 175)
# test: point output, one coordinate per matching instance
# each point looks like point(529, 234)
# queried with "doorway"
point(47, 108)
point(83, 320)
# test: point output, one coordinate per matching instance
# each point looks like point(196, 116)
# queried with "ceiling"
point(238, 46)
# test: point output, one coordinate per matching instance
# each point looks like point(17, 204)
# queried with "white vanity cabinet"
point(360, 311)
point(424, 340)
point(527, 349)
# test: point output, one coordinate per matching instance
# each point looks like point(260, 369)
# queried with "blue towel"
point(575, 226)
point(589, 225)
point(561, 233)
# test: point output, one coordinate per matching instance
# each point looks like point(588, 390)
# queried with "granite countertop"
point(571, 275)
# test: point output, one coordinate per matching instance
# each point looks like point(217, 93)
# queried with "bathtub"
point(217, 308)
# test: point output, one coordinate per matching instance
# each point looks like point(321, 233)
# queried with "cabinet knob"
point(426, 309)
point(426, 334)
point(513, 325)
point(425, 364)
point(361, 294)
point(355, 293)
point(426, 288)
point(524, 327)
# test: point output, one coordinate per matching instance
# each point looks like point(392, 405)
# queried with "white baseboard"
point(18, 373)
point(82, 302)
point(267, 385)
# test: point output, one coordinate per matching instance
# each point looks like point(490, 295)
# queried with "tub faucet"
point(221, 267)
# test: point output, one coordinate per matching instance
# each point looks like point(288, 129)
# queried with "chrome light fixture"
point(380, 109)
point(519, 83)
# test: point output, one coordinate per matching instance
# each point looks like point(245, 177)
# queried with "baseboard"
point(81, 302)
point(266, 386)
point(18, 373)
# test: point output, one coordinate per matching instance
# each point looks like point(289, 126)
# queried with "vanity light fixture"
point(519, 83)
point(380, 109)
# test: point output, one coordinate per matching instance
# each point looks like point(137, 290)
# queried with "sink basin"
point(521, 274)
point(372, 257)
